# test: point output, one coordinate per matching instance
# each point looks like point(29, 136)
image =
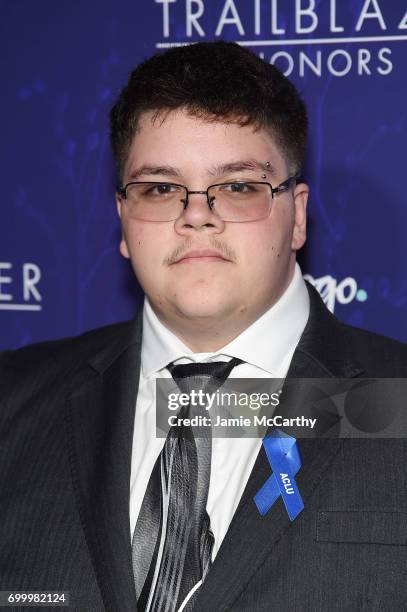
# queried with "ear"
point(301, 192)
point(123, 244)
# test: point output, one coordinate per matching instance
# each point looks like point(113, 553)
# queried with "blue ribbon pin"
point(284, 458)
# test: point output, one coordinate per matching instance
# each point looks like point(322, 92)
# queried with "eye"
point(238, 187)
point(159, 190)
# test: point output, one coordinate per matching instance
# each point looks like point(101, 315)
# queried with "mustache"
point(218, 245)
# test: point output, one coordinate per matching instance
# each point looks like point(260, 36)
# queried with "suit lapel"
point(250, 539)
point(100, 418)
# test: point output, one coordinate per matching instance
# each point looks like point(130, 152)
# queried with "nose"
point(198, 215)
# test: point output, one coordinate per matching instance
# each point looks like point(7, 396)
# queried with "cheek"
point(260, 247)
point(148, 248)
point(137, 240)
point(268, 244)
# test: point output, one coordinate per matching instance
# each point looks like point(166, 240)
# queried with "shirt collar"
point(264, 344)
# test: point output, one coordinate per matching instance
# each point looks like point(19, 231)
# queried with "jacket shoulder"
point(57, 359)
point(379, 355)
point(344, 350)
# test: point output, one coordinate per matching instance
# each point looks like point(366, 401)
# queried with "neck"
point(203, 336)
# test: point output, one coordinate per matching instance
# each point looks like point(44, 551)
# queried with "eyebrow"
point(215, 171)
point(153, 170)
point(238, 166)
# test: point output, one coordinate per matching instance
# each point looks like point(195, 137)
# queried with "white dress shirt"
point(266, 347)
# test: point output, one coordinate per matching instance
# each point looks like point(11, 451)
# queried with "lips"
point(201, 255)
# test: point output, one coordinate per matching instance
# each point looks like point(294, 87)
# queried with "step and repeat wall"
point(63, 63)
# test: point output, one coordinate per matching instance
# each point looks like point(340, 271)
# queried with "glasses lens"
point(241, 201)
point(155, 201)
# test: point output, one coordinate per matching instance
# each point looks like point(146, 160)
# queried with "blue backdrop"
point(62, 65)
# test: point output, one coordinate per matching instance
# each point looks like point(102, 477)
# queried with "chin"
point(201, 308)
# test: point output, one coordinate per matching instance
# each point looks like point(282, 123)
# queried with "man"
point(209, 142)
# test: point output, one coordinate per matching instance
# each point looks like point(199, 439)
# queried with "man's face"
point(251, 262)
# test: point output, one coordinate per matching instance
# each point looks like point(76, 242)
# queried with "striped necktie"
point(172, 542)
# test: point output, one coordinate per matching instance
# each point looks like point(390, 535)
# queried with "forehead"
point(196, 145)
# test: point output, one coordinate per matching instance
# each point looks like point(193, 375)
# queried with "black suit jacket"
point(67, 414)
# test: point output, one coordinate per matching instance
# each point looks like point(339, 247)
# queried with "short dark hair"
point(215, 81)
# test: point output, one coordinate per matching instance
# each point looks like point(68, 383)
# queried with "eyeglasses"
point(238, 201)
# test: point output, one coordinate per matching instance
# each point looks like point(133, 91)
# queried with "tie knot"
point(193, 375)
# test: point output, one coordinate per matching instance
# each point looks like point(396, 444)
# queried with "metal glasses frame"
point(284, 186)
